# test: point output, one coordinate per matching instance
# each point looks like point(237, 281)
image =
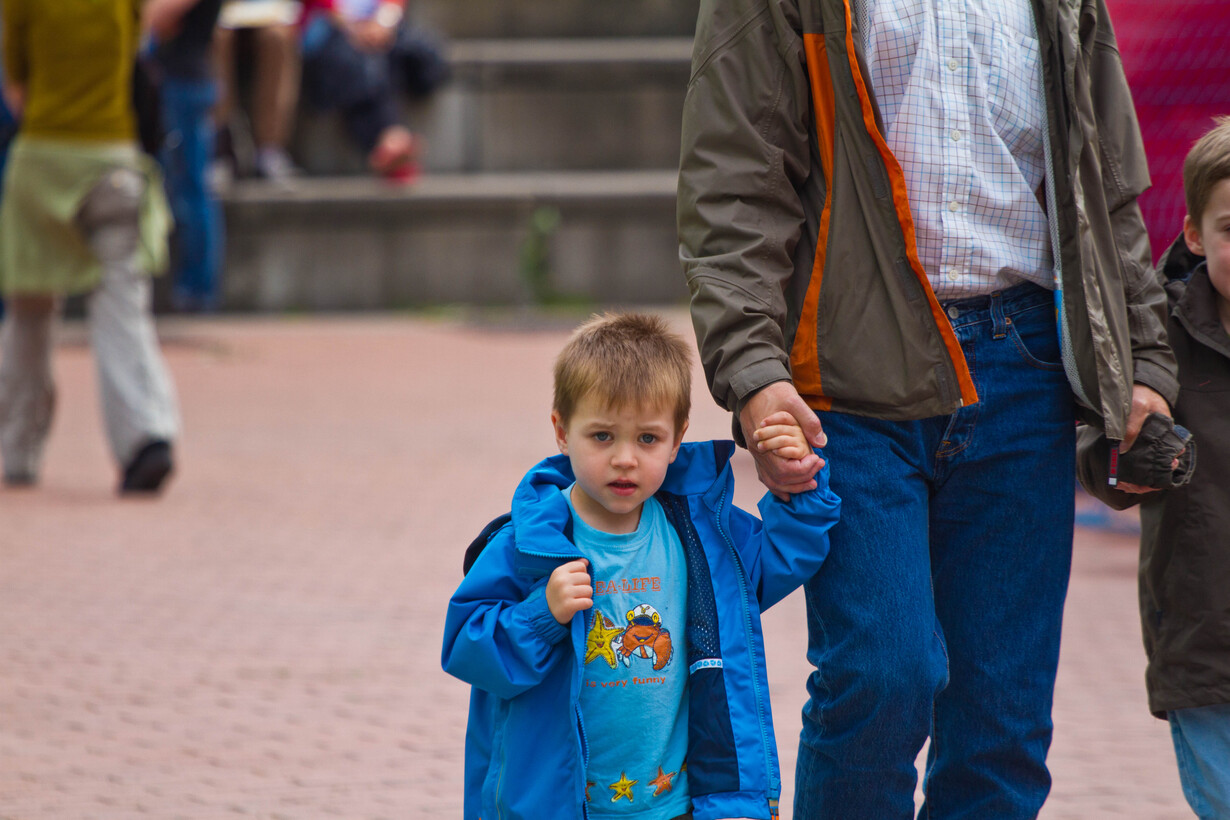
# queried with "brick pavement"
point(263, 641)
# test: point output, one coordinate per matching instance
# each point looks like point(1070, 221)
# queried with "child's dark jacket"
point(526, 748)
point(1185, 532)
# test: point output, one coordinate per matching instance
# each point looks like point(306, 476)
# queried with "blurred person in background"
point(183, 32)
point(8, 131)
point(358, 56)
point(272, 25)
point(83, 212)
point(1178, 66)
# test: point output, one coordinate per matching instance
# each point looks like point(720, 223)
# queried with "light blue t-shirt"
point(634, 694)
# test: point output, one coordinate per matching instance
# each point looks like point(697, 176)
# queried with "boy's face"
point(619, 457)
point(1211, 238)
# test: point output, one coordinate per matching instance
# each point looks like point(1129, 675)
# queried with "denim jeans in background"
point(199, 230)
point(937, 613)
point(1202, 746)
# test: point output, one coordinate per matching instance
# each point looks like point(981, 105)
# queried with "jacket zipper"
point(584, 759)
point(576, 707)
point(774, 783)
point(570, 556)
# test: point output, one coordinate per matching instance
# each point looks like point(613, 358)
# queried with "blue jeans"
point(186, 153)
point(937, 613)
point(1202, 746)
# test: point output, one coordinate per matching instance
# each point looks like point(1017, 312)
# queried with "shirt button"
point(953, 313)
point(954, 206)
point(956, 135)
point(954, 275)
point(953, 65)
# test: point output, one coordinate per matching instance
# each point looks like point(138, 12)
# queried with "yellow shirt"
point(74, 59)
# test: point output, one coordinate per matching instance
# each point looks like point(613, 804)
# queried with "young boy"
point(1185, 531)
point(611, 631)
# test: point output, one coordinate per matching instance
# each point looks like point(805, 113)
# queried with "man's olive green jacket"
point(798, 244)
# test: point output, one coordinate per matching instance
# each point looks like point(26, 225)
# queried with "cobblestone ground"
point(263, 641)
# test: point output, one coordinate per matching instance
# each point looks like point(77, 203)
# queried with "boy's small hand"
point(569, 590)
point(781, 435)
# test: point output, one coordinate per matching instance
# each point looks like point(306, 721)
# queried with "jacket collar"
point(1197, 311)
point(542, 518)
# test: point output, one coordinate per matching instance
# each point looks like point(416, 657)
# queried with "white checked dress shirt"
point(958, 85)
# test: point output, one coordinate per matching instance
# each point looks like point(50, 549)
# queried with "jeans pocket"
point(1036, 342)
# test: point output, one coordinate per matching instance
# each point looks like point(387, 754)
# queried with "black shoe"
point(20, 479)
point(148, 469)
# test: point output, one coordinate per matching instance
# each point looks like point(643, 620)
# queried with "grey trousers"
point(138, 399)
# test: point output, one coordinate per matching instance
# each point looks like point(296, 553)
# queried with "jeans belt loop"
point(999, 325)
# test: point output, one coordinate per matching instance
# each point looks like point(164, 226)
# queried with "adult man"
point(946, 270)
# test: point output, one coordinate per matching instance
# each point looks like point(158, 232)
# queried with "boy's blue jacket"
point(526, 748)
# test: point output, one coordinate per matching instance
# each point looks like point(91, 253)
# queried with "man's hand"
point(1145, 400)
point(569, 590)
point(782, 475)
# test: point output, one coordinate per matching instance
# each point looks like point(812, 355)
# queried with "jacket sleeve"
point(744, 155)
point(499, 634)
point(1125, 177)
point(786, 546)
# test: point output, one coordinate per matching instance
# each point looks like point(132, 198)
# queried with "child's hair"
point(625, 359)
point(1207, 164)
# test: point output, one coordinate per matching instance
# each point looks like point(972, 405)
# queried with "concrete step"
point(559, 18)
point(357, 243)
point(522, 105)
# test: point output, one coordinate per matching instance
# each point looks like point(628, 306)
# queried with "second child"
point(1185, 531)
point(611, 631)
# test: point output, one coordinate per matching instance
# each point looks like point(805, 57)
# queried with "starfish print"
point(622, 787)
point(598, 642)
point(662, 783)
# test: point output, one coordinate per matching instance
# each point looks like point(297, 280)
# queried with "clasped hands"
point(783, 470)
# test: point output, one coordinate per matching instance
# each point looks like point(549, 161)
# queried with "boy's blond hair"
point(625, 360)
point(1207, 164)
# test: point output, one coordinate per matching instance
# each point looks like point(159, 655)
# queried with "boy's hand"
point(782, 476)
point(781, 435)
point(569, 590)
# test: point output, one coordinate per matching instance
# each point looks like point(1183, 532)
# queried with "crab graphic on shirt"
point(644, 637)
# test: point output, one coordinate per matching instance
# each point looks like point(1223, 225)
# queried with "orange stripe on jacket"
point(804, 360)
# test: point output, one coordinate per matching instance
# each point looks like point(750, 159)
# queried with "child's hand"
point(569, 590)
point(781, 435)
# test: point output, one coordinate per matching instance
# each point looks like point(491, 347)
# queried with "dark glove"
point(1148, 463)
